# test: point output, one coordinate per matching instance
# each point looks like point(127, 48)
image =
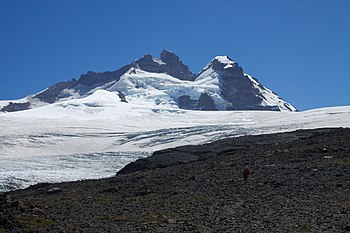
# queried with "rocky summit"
point(166, 82)
point(298, 182)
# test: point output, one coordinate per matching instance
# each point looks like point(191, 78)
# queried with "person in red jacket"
point(246, 173)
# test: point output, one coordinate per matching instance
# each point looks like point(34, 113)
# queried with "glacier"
point(94, 136)
point(91, 127)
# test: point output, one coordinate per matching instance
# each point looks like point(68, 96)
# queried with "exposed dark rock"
point(237, 88)
point(92, 78)
point(85, 83)
point(13, 107)
point(175, 67)
point(170, 63)
point(148, 63)
point(52, 93)
point(160, 159)
point(3, 198)
point(122, 97)
point(185, 102)
point(205, 102)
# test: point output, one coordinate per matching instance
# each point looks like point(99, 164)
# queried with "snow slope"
point(92, 137)
point(162, 90)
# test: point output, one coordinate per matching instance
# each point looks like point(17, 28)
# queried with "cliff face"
point(242, 91)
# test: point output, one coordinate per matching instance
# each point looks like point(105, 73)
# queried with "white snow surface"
point(93, 137)
point(162, 90)
point(225, 60)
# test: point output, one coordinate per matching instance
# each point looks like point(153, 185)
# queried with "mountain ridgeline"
point(166, 82)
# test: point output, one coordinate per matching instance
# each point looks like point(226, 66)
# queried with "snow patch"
point(225, 60)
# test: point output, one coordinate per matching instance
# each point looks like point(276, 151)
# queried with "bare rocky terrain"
point(300, 182)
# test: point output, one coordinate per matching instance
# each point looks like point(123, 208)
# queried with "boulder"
point(54, 190)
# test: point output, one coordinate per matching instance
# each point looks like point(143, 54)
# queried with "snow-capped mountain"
point(166, 82)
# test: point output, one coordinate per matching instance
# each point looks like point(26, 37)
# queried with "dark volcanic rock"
point(185, 102)
point(175, 67)
point(149, 64)
point(170, 63)
point(122, 97)
point(13, 107)
point(237, 88)
point(55, 92)
point(85, 83)
point(92, 78)
point(161, 159)
point(205, 102)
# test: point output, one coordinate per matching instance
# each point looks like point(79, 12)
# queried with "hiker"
point(246, 173)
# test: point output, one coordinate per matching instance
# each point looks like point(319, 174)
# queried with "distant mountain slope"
point(166, 81)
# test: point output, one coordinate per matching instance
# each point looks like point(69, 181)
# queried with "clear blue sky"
point(299, 49)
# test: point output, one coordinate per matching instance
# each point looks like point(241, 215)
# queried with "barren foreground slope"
point(299, 183)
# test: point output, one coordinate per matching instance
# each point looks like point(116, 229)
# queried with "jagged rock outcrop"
point(93, 78)
point(168, 63)
point(175, 67)
point(236, 88)
point(205, 102)
point(14, 107)
point(241, 90)
point(55, 92)
point(149, 64)
point(185, 102)
point(122, 97)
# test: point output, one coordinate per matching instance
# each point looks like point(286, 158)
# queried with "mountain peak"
point(221, 63)
point(147, 56)
point(168, 63)
point(221, 85)
point(169, 57)
point(167, 51)
point(226, 61)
